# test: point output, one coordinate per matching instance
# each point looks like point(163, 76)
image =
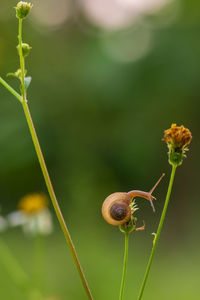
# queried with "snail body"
point(116, 208)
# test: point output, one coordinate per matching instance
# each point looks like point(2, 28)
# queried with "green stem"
point(45, 171)
point(22, 62)
point(43, 164)
point(53, 197)
point(10, 89)
point(124, 266)
point(39, 261)
point(155, 242)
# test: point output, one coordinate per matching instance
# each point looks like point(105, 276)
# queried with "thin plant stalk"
point(53, 197)
point(50, 187)
point(45, 171)
point(10, 89)
point(39, 261)
point(126, 234)
point(38, 150)
point(22, 61)
point(157, 235)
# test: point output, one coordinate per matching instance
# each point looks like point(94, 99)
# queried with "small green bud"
point(17, 74)
point(22, 9)
point(25, 49)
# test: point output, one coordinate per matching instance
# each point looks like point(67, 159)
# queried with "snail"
point(116, 208)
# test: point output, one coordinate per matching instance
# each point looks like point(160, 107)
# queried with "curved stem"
point(124, 266)
point(155, 242)
point(45, 171)
point(10, 89)
point(53, 197)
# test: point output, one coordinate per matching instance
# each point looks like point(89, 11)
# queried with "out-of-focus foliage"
point(100, 97)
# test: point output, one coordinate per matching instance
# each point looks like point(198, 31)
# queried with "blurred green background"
point(108, 77)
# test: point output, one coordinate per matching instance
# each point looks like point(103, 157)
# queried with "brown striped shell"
point(116, 208)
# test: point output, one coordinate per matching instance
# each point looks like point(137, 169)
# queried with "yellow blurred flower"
point(33, 203)
point(33, 215)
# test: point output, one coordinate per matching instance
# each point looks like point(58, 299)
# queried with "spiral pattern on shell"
point(116, 208)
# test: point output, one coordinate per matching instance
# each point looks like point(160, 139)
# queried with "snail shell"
point(116, 208)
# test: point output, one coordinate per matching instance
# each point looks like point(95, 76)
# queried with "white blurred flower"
point(33, 215)
point(40, 223)
point(16, 218)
